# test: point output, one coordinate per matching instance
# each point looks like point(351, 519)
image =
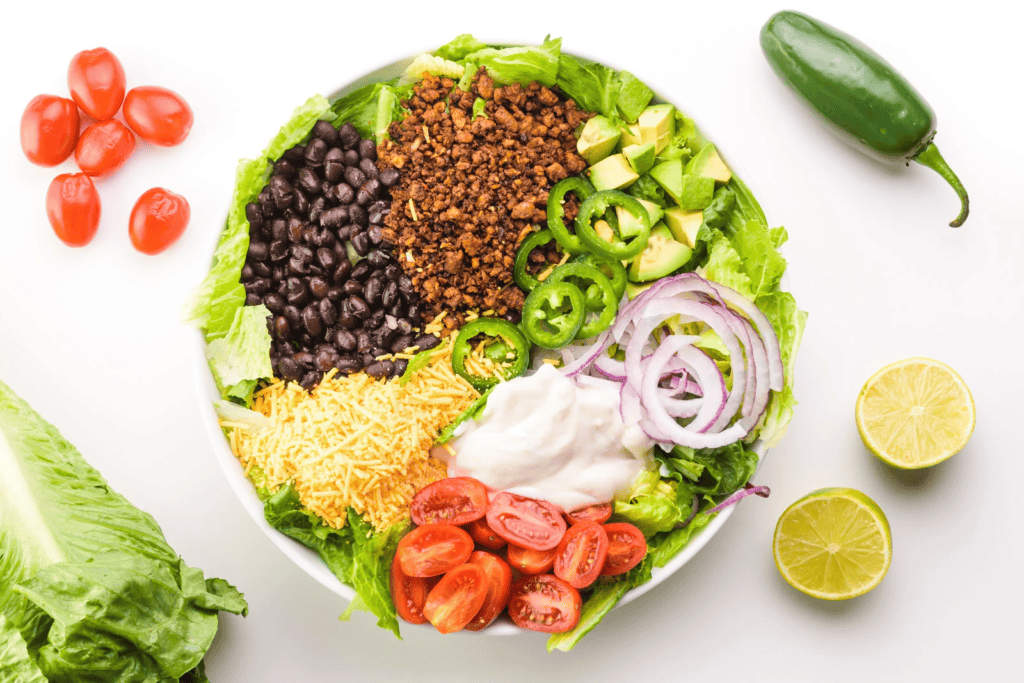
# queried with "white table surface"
point(93, 338)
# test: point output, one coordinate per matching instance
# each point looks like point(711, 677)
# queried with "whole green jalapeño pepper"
point(505, 340)
point(556, 211)
point(858, 91)
point(593, 207)
point(553, 313)
point(598, 296)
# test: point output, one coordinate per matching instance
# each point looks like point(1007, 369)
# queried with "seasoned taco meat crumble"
point(472, 189)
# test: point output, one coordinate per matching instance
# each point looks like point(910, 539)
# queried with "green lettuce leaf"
point(431, 64)
point(471, 413)
point(459, 47)
point(521, 64)
point(372, 108)
point(788, 322)
point(634, 96)
point(594, 86)
point(213, 304)
point(652, 505)
point(668, 545)
point(725, 266)
point(355, 554)
point(242, 357)
point(763, 265)
point(87, 579)
point(18, 664)
point(479, 105)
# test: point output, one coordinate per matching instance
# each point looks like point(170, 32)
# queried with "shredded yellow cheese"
point(354, 441)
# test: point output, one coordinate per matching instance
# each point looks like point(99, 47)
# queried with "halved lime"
point(915, 413)
point(833, 544)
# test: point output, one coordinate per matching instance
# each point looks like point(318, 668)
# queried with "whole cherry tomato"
point(104, 147)
point(544, 603)
point(457, 598)
point(158, 115)
point(525, 522)
point(579, 558)
point(73, 207)
point(433, 549)
point(499, 585)
point(96, 80)
point(158, 219)
point(456, 500)
point(49, 129)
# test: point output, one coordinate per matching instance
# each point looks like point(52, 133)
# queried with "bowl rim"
point(306, 558)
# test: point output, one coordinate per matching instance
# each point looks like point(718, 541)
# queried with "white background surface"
point(92, 337)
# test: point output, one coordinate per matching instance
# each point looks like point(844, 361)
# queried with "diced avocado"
point(708, 163)
point(662, 255)
point(669, 174)
point(630, 225)
point(640, 157)
point(612, 173)
point(598, 139)
point(684, 224)
point(633, 289)
point(604, 230)
point(697, 192)
point(630, 136)
point(657, 125)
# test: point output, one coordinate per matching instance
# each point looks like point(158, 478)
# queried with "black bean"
point(375, 320)
point(274, 303)
point(316, 150)
point(296, 154)
point(354, 177)
point(282, 330)
point(346, 320)
point(351, 158)
point(334, 165)
point(363, 343)
point(258, 286)
point(323, 361)
point(307, 234)
point(372, 291)
point(303, 253)
point(363, 196)
point(376, 235)
point(401, 343)
point(353, 286)
point(285, 168)
point(327, 259)
point(348, 135)
point(278, 229)
point(389, 176)
point(312, 321)
point(369, 168)
point(368, 150)
point(297, 267)
point(361, 271)
point(261, 269)
point(278, 250)
point(358, 307)
point(375, 213)
point(309, 180)
point(413, 313)
point(281, 192)
point(318, 287)
point(348, 365)
point(290, 368)
point(345, 340)
point(297, 295)
point(324, 238)
point(358, 215)
point(309, 380)
point(401, 365)
point(373, 186)
point(316, 207)
point(513, 316)
point(427, 341)
point(361, 243)
point(342, 271)
point(300, 202)
point(294, 316)
point(332, 219)
point(325, 131)
point(295, 229)
point(379, 259)
point(405, 286)
point(343, 193)
point(247, 272)
point(328, 313)
point(403, 326)
point(254, 214)
point(336, 294)
point(382, 336)
point(252, 299)
point(377, 352)
point(390, 294)
point(398, 310)
point(258, 251)
point(377, 370)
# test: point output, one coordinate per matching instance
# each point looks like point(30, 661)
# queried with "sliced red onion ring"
point(748, 490)
point(589, 355)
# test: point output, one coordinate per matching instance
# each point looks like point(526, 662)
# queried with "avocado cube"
point(634, 289)
point(657, 125)
point(662, 256)
point(697, 192)
point(630, 136)
point(640, 157)
point(634, 95)
point(684, 224)
point(630, 225)
point(612, 173)
point(669, 174)
point(598, 139)
point(709, 163)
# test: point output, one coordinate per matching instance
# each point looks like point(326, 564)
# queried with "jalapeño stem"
point(931, 158)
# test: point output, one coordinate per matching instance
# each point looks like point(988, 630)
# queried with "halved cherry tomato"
point(526, 522)
point(158, 219)
point(49, 129)
point(96, 80)
point(484, 535)
point(104, 147)
point(433, 549)
point(595, 513)
point(158, 115)
point(580, 556)
point(529, 561)
point(456, 500)
point(73, 207)
point(626, 548)
point(409, 593)
point(499, 586)
point(456, 598)
point(544, 603)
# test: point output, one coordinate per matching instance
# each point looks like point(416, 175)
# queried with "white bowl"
point(307, 559)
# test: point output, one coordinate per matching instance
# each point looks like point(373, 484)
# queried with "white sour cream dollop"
point(546, 437)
